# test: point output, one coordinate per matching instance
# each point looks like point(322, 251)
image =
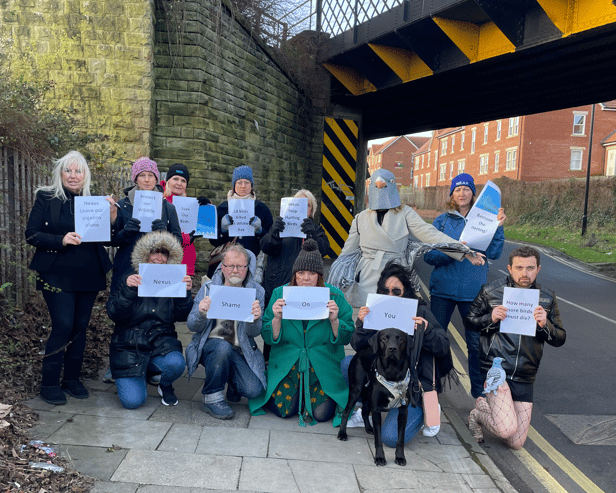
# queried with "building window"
point(428, 159)
point(415, 181)
point(499, 125)
point(462, 141)
point(461, 165)
point(451, 170)
point(579, 123)
point(485, 133)
point(421, 181)
point(514, 126)
point(435, 157)
point(417, 162)
point(483, 164)
point(442, 170)
point(428, 179)
point(473, 134)
point(496, 161)
point(443, 147)
point(512, 156)
point(453, 143)
point(576, 159)
point(422, 160)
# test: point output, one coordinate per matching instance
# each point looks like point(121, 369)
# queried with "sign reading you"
point(390, 312)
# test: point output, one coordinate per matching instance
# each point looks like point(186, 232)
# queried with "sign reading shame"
point(187, 209)
point(162, 280)
point(207, 222)
point(293, 211)
point(241, 210)
point(305, 303)
point(520, 304)
point(92, 221)
point(481, 223)
point(229, 303)
point(148, 206)
point(390, 312)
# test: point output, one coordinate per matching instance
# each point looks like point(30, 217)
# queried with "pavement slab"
point(234, 441)
point(268, 476)
point(324, 476)
point(95, 462)
point(181, 438)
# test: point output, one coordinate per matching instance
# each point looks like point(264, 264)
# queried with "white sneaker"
point(356, 420)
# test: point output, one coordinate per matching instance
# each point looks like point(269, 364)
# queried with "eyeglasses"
point(235, 267)
point(394, 292)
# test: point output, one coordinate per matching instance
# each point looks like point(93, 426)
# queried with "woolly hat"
point(242, 173)
point(179, 170)
point(309, 258)
point(462, 180)
point(145, 164)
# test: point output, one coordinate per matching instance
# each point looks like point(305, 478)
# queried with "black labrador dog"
point(389, 358)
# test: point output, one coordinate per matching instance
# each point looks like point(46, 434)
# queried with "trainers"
point(154, 378)
point(75, 389)
point(107, 378)
point(356, 420)
point(218, 410)
point(167, 394)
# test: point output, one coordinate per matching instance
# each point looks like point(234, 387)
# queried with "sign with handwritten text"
point(520, 304)
point(481, 220)
point(241, 210)
point(162, 280)
point(387, 312)
point(148, 207)
point(305, 303)
point(92, 220)
point(293, 211)
point(207, 222)
point(229, 303)
point(187, 209)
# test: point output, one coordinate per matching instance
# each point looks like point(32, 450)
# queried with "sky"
point(385, 139)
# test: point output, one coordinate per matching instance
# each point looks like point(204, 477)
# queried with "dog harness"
point(397, 389)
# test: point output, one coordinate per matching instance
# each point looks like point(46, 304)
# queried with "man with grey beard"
point(226, 348)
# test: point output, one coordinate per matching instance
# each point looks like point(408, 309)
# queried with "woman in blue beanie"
point(457, 283)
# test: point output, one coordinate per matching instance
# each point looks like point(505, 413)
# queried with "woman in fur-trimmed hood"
point(144, 336)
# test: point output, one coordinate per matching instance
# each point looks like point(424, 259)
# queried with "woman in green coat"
point(303, 375)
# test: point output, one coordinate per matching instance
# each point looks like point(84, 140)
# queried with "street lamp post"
point(585, 216)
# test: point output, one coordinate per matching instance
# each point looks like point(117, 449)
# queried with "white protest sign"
point(388, 312)
point(481, 220)
point(148, 206)
point(207, 222)
point(229, 303)
point(293, 211)
point(188, 210)
point(520, 304)
point(162, 280)
point(92, 220)
point(305, 303)
point(241, 210)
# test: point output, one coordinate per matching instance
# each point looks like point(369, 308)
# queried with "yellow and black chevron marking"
point(338, 183)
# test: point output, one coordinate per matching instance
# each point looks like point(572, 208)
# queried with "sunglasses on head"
point(394, 292)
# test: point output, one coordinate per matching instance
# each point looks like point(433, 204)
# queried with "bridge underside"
point(471, 61)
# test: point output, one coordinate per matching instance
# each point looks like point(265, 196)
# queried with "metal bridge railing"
point(337, 16)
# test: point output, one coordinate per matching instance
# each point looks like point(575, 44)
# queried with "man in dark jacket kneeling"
point(144, 337)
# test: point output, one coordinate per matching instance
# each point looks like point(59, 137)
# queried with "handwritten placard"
point(148, 207)
point(229, 303)
point(162, 280)
point(387, 312)
point(241, 210)
point(293, 211)
point(187, 209)
point(520, 304)
point(481, 223)
point(92, 221)
point(305, 303)
point(207, 223)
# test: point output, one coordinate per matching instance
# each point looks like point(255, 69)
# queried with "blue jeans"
point(389, 429)
point(443, 308)
point(226, 365)
point(132, 391)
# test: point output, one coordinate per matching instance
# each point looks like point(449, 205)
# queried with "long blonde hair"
point(311, 199)
point(62, 164)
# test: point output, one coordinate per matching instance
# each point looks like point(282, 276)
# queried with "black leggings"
point(323, 412)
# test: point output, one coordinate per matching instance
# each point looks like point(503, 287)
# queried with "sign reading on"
point(187, 209)
point(229, 303)
point(520, 304)
point(305, 303)
point(92, 221)
point(148, 207)
point(241, 210)
point(293, 211)
point(162, 280)
point(387, 312)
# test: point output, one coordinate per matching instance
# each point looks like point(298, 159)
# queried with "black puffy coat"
point(144, 327)
point(521, 354)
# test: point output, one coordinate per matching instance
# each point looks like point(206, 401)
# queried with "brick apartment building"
point(396, 155)
point(531, 148)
